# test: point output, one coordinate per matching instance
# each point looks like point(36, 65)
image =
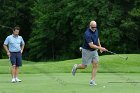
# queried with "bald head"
point(93, 25)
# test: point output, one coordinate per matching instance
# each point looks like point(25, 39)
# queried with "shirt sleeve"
point(88, 38)
point(22, 41)
point(6, 41)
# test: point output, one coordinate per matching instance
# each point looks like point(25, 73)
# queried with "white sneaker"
point(17, 80)
point(13, 80)
point(92, 83)
point(74, 69)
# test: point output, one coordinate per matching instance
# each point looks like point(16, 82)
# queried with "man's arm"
point(99, 44)
point(22, 45)
point(7, 50)
point(89, 40)
point(97, 47)
point(22, 48)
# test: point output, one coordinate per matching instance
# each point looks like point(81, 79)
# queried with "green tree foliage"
point(130, 26)
point(58, 25)
point(4, 15)
point(15, 13)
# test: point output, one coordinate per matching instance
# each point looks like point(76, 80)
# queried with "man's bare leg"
point(79, 66)
point(94, 71)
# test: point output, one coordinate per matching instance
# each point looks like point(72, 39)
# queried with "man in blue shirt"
point(14, 45)
point(89, 51)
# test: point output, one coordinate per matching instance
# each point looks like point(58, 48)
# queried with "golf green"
point(66, 83)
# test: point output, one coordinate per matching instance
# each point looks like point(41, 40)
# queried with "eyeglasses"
point(93, 27)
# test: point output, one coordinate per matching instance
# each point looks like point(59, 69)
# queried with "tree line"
point(53, 29)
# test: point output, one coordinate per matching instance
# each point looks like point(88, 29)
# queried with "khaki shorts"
point(89, 56)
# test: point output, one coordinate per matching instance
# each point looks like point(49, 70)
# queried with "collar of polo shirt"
point(15, 35)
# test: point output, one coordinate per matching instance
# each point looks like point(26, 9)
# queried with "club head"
point(126, 58)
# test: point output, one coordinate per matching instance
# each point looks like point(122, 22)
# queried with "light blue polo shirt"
point(14, 43)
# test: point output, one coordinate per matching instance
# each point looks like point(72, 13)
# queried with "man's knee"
point(14, 66)
point(84, 66)
point(95, 65)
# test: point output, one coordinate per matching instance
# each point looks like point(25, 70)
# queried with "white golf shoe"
point(13, 80)
point(92, 83)
point(17, 80)
point(74, 69)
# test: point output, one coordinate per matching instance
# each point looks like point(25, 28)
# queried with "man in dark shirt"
point(89, 51)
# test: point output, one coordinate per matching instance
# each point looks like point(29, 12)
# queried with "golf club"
point(3, 26)
point(124, 57)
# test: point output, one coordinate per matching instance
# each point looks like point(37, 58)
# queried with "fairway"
point(114, 76)
point(70, 46)
point(66, 83)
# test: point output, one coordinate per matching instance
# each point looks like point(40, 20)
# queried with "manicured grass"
point(117, 75)
point(107, 64)
point(66, 83)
